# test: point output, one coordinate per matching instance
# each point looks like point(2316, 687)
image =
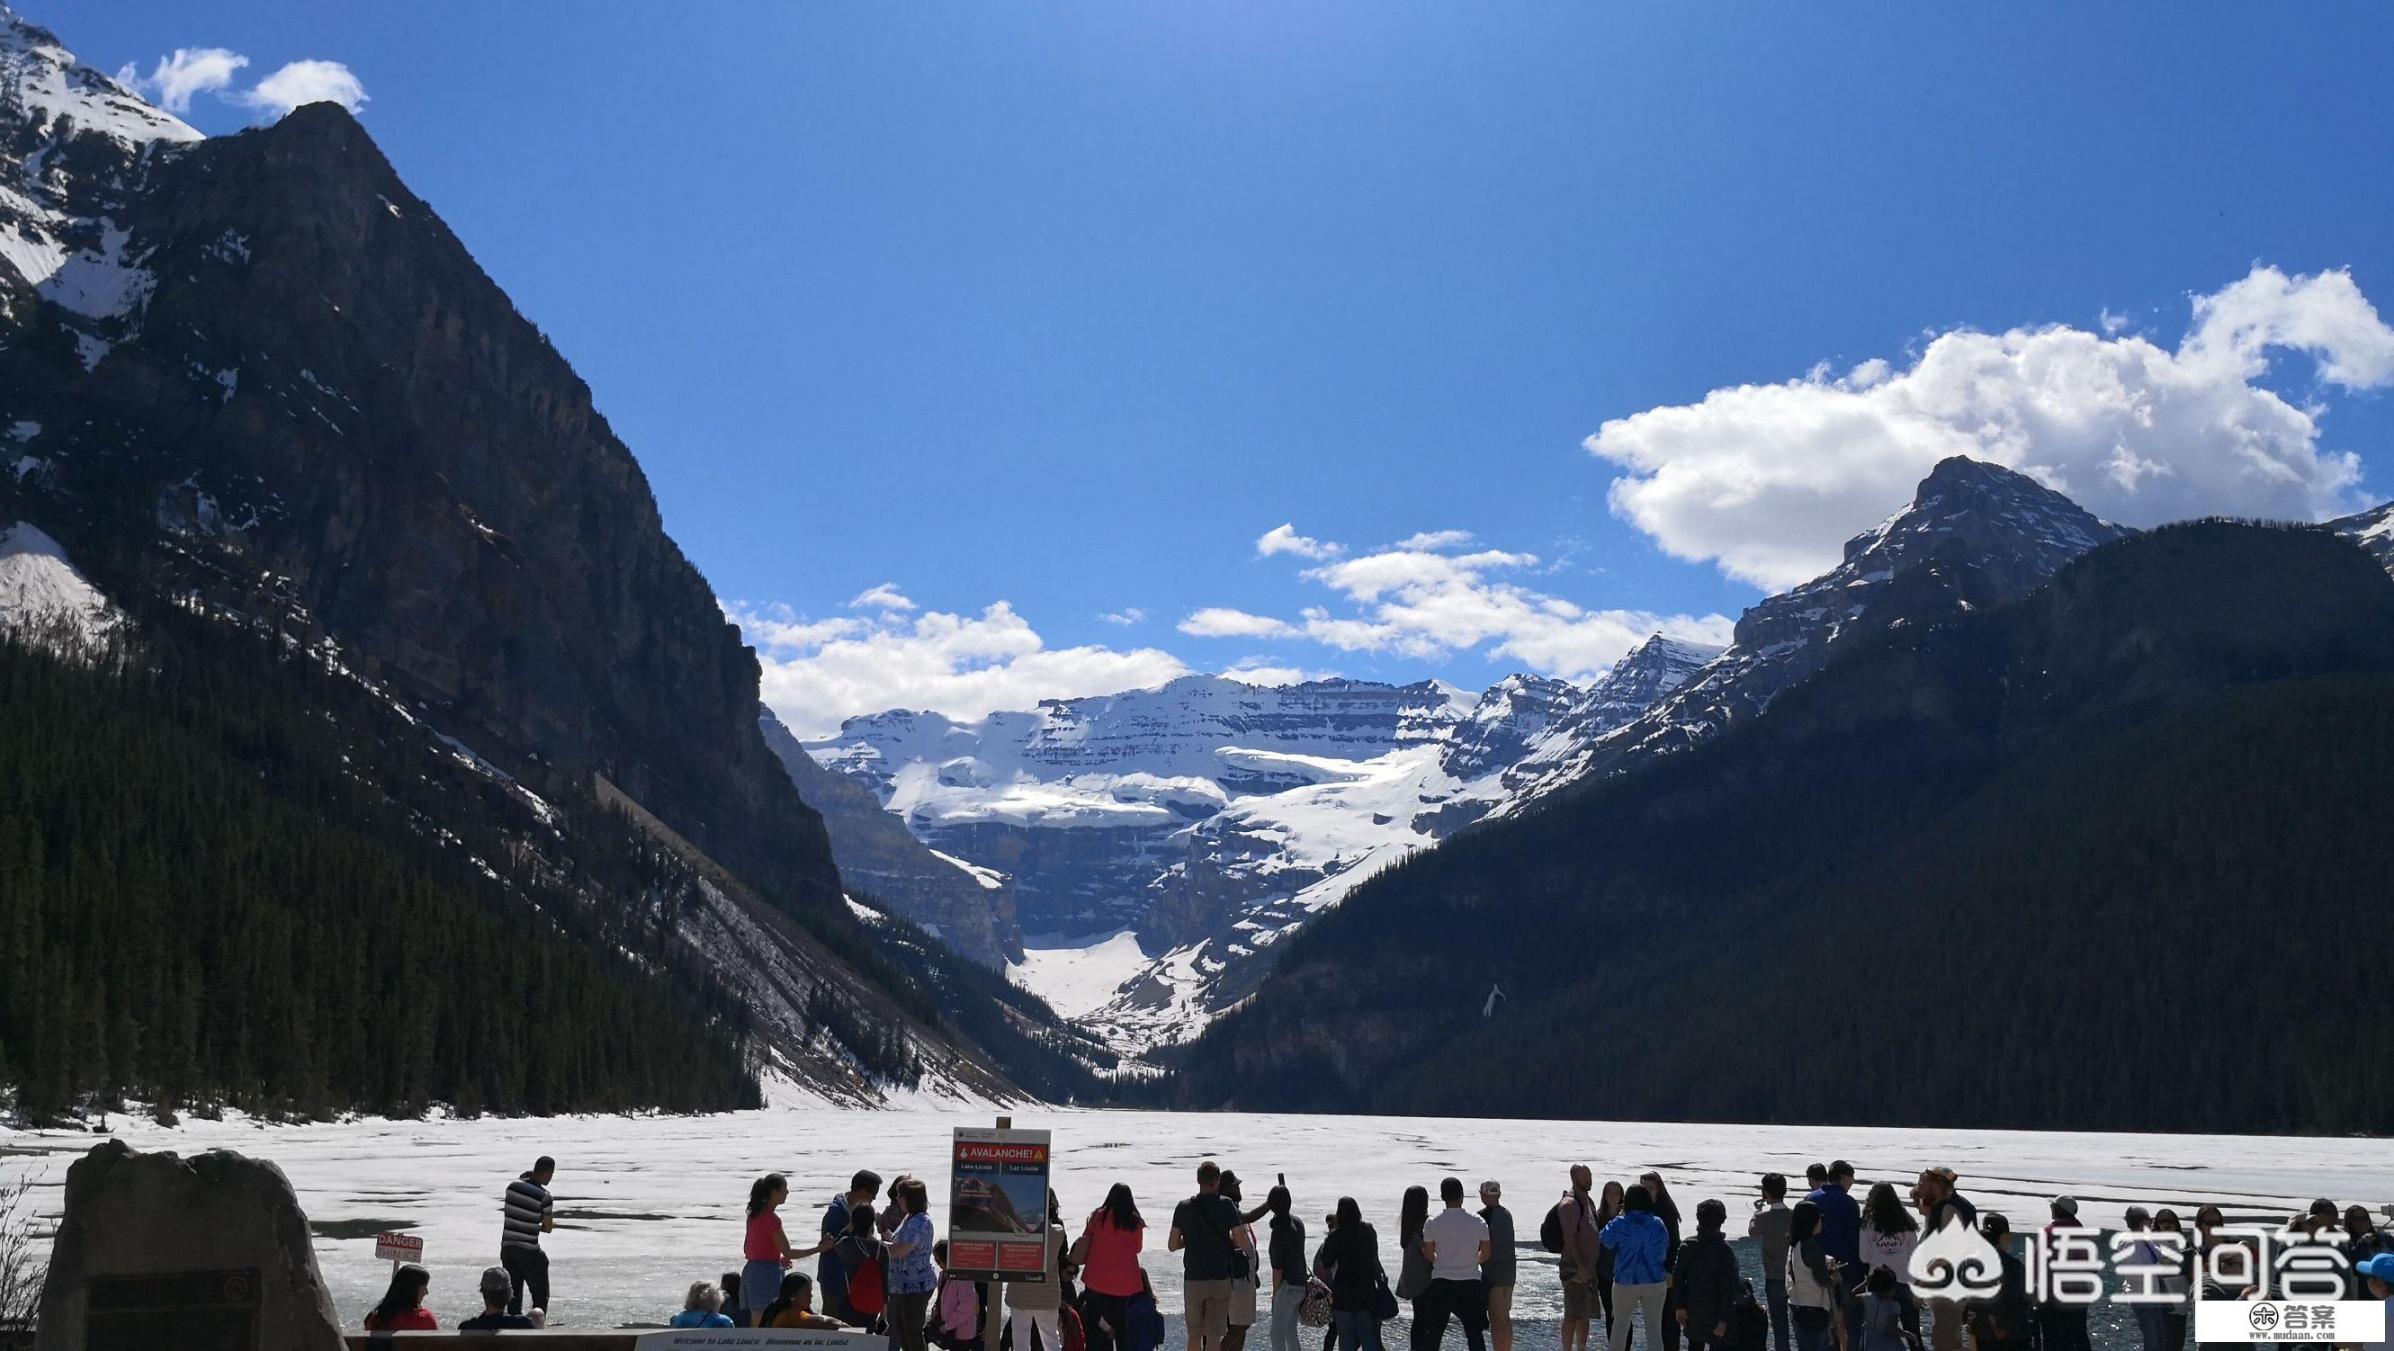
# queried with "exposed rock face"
point(266, 348)
point(148, 1215)
point(257, 375)
point(967, 907)
point(325, 390)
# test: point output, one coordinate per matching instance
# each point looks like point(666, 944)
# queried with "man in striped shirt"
point(530, 1213)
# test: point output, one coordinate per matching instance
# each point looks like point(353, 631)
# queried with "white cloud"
point(304, 82)
point(1125, 617)
point(1435, 539)
point(1284, 539)
point(1219, 622)
point(1768, 481)
point(1424, 605)
point(189, 71)
point(886, 596)
point(966, 666)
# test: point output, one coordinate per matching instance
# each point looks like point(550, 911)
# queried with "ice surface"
point(647, 1205)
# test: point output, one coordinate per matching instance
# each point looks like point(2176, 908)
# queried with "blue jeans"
point(1774, 1294)
point(760, 1285)
point(1356, 1328)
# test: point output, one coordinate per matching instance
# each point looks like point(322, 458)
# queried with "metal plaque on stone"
point(186, 1310)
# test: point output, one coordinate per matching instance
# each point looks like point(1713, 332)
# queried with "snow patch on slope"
point(42, 592)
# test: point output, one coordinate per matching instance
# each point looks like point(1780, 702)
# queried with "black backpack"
point(1550, 1229)
point(1749, 1326)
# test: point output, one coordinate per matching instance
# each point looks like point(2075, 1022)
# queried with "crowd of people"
point(1836, 1265)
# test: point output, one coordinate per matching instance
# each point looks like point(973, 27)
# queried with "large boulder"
point(213, 1249)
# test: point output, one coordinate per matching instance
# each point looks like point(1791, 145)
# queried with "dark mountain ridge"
point(257, 379)
point(2134, 803)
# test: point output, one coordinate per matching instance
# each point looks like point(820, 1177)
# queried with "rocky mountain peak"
point(1974, 535)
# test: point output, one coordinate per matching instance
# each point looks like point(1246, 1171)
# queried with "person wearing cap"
point(2377, 1282)
point(1496, 1274)
point(2061, 1323)
point(497, 1285)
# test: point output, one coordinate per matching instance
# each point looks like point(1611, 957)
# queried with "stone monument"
point(210, 1253)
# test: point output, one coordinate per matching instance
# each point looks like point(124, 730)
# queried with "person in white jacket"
point(1888, 1236)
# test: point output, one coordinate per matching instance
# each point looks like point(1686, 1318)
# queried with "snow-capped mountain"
point(1158, 840)
point(81, 147)
point(1974, 535)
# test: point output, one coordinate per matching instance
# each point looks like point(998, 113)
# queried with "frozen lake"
point(647, 1205)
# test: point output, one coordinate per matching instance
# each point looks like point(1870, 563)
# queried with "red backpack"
point(1068, 1322)
point(866, 1294)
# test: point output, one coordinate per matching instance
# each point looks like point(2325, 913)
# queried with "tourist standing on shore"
point(1666, 1210)
point(1110, 1277)
point(912, 1276)
point(1841, 1237)
point(1456, 1243)
point(1245, 1284)
point(1497, 1272)
point(2061, 1323)
point(1707, 1281)
point(2005, 1319)
point(1357, 1276)
point(527, 1212)
point(862, 1260)
point(1285, 1249)
point(766, 1248)
point(1610, 1202)
point(839, 1219)
point(1768, 1229)
point(1575, 1216)
point(1201, 1234)
point(1811, 1282)
point(1885, 1243)
point(1640, 1244)
point(1038, 1306)
point(2144, 1252)
point(1413, 1264)
point(1942, 1204)
point(2178, 1287)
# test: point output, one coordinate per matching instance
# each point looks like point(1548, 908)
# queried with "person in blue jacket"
point(1640, 1244)
point(1841, 1237)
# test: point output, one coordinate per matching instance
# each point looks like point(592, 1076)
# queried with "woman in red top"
point(402, 1308)
point(767, 1249)
point(1109, 1260)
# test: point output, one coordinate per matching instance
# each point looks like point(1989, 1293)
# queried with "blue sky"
point(1067, 305)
